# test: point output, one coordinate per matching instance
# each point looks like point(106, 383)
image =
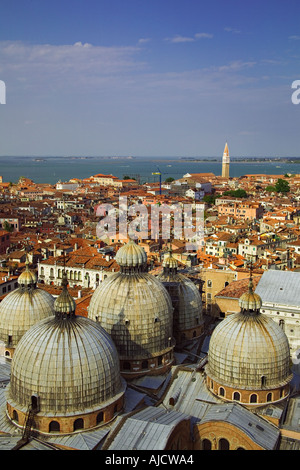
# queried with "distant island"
point(244, 159)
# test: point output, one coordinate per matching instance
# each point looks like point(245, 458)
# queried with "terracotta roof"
point(235, 289)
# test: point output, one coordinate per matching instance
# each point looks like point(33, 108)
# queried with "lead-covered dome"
point(136, 310)
point(249, 351)
point(188, 321)
point(244, 349)
point(71, 365)
point(22, 308)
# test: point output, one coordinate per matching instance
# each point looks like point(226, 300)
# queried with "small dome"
point(131, 255)
point(65, 304)
point(169, 261)
point(27, 278)
point(250, 301)
point(22, 308)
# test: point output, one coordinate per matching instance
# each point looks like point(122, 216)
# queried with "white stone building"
point(280, 294)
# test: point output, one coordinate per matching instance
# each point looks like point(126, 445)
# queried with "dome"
point(169, 261)
point(22, 308)
point(186, 300)
point(248, 350)
point(64, 304)
point(71, 365)
point(131, 255)
point(27, 278)
point(250, 301)
point(243, 349)
point(136, 311)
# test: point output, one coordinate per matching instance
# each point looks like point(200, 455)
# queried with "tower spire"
point(225, 162)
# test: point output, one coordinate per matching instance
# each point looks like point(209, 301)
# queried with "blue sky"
point(149, 77)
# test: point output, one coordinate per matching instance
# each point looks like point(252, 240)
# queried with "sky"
point(149, 77)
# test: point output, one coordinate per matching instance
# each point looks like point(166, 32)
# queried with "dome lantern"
point(250, 302)
point(131, 258)
point(64, 305)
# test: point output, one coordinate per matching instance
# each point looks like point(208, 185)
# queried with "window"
point(54, 426)
point(209, 283)
point(100, 417)
point(206, 444)
point(222, 392)
point(78, 424)
point(236, 396)
point(223, 444)
point(253, 398)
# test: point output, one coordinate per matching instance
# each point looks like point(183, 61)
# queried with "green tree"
point(271, 189)
point(282, 186)
point(209, 198)
point(236, 193)
point(169, 180)
point(7, 226)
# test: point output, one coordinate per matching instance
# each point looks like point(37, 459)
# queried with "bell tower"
point(225, 162)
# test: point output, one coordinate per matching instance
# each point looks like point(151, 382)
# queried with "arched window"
point(237, 396)
point(59, 274)
point(269, 397)
point(253, 398)
point(221, 392)
point(15, 416)
point(145, 365)
point(54, 426)
point(206, 444)
point(263, 380)
point(78, 424)
point(223, 444)
point(100, 417)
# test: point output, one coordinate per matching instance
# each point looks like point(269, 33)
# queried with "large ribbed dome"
point(136, 311)
point(72, 365)
point(22, 308)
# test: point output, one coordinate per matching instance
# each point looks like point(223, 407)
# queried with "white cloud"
point(203, 35)
point(60, 66)
point(232, 30)
point(144, 40)
point(180, 39)
point(294, 37)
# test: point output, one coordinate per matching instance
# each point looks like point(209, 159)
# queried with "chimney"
point(79, 294)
